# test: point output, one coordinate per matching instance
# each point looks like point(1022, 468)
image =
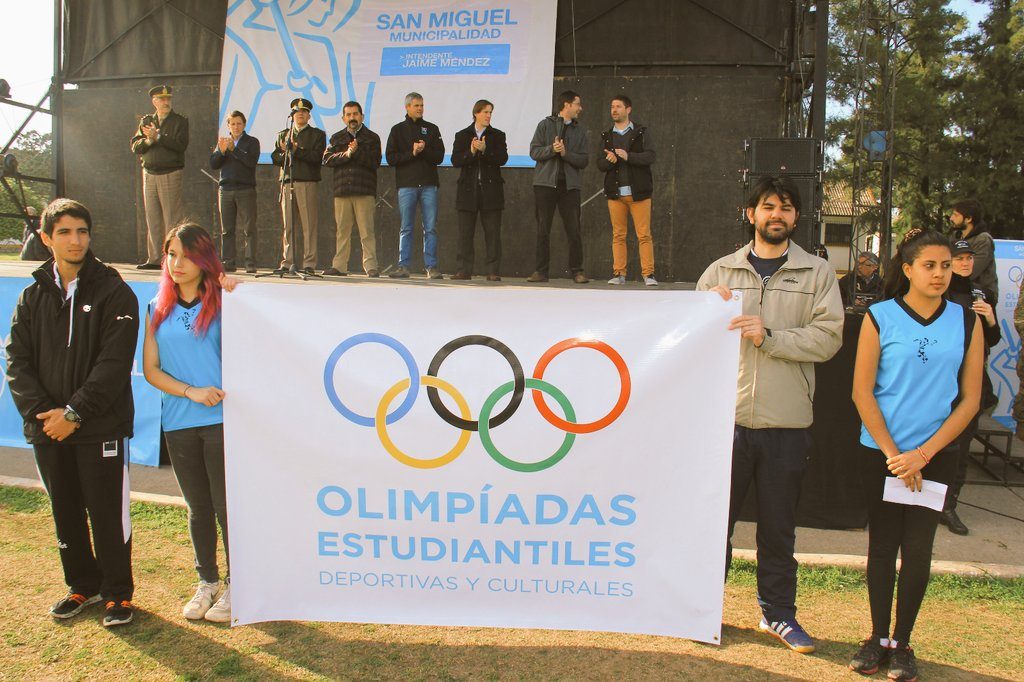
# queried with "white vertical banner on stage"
point(458, 456)
point(1002, 361)
point(453, 52)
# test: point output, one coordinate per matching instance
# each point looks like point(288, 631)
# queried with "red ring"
point(590, 427)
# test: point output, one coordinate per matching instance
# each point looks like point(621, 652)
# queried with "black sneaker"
point(903, 665)
point(335, 272)
point(72, 604)
point(118, 613)
point(147, 266)
point(871, 657)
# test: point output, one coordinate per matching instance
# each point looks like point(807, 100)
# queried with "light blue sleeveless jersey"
point(918, 371)
point(193, 359)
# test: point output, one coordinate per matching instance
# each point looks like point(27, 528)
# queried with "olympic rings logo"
point(486, 421)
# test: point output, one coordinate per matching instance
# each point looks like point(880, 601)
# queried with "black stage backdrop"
point(703, 75)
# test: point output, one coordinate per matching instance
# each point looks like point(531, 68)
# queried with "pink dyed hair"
point(199, 248)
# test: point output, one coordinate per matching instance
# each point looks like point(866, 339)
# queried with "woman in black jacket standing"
point(964, 291)
point(480, 151)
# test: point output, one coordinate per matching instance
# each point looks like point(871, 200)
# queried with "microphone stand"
point(288, 193)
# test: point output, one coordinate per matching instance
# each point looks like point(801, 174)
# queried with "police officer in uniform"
point(299, 152)
point(160, 142)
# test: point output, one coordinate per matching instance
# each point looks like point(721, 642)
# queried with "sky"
point(26, 56)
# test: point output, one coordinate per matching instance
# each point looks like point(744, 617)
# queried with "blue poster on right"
point(1002, 362)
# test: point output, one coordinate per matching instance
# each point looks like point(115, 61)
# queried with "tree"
point(35, 157)
point(890, 65)
point(988, 108)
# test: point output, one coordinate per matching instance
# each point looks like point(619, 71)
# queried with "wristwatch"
point(71, 416)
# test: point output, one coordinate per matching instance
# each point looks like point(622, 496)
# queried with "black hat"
point(962, 246)
point(161, 91)
point(299, 104)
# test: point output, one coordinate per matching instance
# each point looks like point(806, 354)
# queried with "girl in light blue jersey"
point(916, 384)
point(181, 357)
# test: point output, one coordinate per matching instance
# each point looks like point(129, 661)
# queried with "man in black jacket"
point(627, 153)
point(160, 142)
point(69, 363)
point(559, 146)
point(415, 149)
point(863, 286)
point(354, 153)
point(236, 156)
point(299, 152)
point(480, 151)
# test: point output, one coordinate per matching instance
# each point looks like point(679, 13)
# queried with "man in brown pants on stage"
point(161, 141)
point(299, 152)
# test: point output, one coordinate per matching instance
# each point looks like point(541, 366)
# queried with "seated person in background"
point(868, 285)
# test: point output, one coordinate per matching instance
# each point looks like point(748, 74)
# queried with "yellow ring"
point(385, 439)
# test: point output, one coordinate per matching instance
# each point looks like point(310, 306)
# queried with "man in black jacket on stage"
point(480, 151)
point(415, 149)
point(354, 154)
point(69, 363)
point(299, 152)
point(160, 142)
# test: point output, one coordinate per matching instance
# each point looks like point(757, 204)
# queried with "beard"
point(769, 238)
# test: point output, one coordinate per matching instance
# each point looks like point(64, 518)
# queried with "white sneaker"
point(617, 279)
point(650, 281)
point(221, 611)
point(197, 607)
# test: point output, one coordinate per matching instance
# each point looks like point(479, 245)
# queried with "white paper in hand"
point(931, 495)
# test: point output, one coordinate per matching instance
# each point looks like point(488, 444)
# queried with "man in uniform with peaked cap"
point(160, 142)
point(299, 151)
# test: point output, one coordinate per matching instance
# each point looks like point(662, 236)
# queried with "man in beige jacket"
point(792, 317)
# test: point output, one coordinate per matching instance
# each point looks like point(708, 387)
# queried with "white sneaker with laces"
point(650, 281)
point(221, 611)
point(205, 595)
point(617, 279)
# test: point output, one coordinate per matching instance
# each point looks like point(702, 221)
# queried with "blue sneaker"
point(791, 634)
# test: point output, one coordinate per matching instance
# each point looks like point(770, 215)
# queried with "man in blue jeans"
point(415, 149)
point(792, 318)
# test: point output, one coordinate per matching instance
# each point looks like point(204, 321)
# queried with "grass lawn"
point(969, 629)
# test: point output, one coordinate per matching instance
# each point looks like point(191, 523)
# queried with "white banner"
point(593, 496)
point(453, 52)
point(1002, 361)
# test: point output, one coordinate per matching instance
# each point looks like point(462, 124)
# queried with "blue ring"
point(403, 352)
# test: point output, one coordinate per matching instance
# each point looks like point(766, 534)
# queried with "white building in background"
point(837, 212)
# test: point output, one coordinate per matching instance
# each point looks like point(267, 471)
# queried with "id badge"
point(110, 448)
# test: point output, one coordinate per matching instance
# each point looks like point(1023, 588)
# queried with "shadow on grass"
point(187, 652)
point(840, 654)
point(307, 647)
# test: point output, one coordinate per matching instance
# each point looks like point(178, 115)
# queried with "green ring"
point(525, 467)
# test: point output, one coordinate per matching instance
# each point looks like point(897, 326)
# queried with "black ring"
point(518, 387)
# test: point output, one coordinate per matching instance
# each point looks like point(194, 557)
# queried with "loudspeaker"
point(784, 156)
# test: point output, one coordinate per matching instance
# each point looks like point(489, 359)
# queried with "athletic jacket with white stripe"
point(77, 352)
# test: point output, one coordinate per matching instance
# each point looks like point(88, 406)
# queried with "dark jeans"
point(568, 204)
point(774, 461)
point(80, 480)
point(238, 206)
point(491, 222)
point(904, 529)
point(963, 457)
point(197, 456)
